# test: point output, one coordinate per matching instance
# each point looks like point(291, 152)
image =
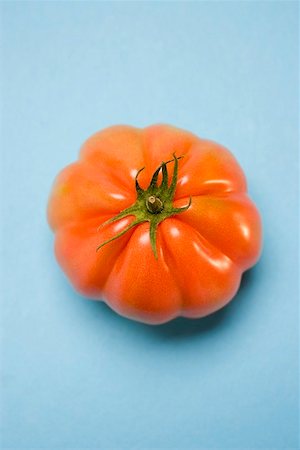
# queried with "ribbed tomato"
point(156, 222)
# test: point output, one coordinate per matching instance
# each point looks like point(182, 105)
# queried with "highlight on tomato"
point(156, 222)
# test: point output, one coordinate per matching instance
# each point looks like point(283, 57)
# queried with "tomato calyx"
point(152, 205)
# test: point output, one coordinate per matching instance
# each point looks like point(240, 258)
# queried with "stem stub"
point(154, 204)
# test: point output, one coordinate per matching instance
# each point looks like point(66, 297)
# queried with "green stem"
point(152, 205)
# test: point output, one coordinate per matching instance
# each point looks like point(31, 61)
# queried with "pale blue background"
point(74, 374)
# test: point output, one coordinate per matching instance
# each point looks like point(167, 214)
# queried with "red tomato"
point(156, 222)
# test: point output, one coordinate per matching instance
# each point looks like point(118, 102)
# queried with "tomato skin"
point(201, 252)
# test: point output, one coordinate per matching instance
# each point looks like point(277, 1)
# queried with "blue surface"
point(74, 374)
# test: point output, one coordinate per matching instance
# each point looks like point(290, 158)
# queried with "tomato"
point(156, 222)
